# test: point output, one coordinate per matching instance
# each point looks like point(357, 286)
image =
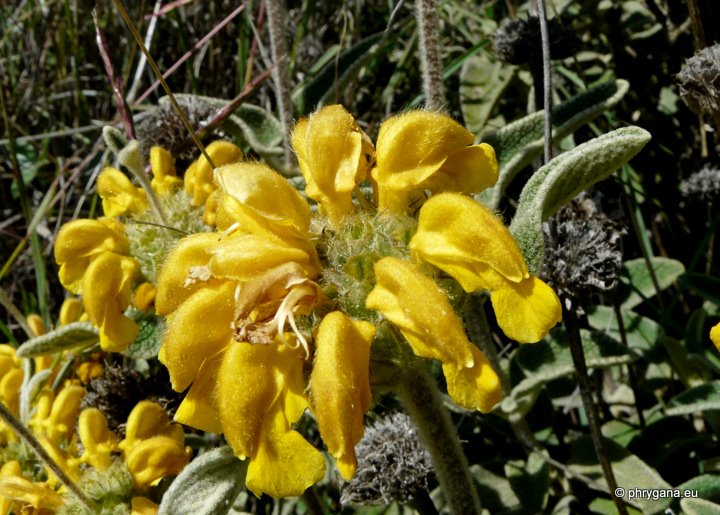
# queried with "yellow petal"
point(421, 310)
point(285, 464)
point(243, 257)
point(199, 176)
point(469, 170)
point(715, 336)
point(477, 387)
point(333, 153)
point(144, 296)
point(155, 458)
point(526, 311)
point(411, 148)
point(143, 506)
point(38, 495)
point(255, 380)
point(98, 442)
point(80, 241)
point(198, 408)
point(340, 385)
point(147, 420)
point(199, 329)
point(36, 324)
point(165, 180)
point(118, 194)
point(70, 310)
point(106, 288)
point(185, 270)
point(266, 193)
point(466, 240)
point(65, 410)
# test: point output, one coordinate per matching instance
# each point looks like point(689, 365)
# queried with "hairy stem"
point(277, 25)
point(420, 396)
point(581, 372)
point(547, 78)
point(29, 440)
point(430, 54)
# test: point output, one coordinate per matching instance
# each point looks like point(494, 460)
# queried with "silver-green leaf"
point(70, 336)
point(563, 178)
point(207, 486)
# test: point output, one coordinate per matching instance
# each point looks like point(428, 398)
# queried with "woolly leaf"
point(692, 506)
point(149, 339)
point(563, 178)
point(70, 336)
point(642, 333)
point(707, 487)
point(630, 471)
point(705, 397)
point(521, 142)
point(638, 280)
point(335, 76)
point(482, 83)
point(495, 491)
point(207, 486)
point(550, 359)
point(530, 481)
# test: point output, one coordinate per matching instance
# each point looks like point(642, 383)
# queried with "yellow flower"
point(199, 176)
point(165, 180)
point(98, 442)
point(143, 506)
point(144, 296)
point(56, 415)
point(466, 240)
point(334, 156)
point(106, 295)
point(11, 378)
point(425, 150)
point(81, 241)
point(715, 335)
point(153, 446)
point(421, 311)
point(340, 385)
point(21, 495)
point(118, 194)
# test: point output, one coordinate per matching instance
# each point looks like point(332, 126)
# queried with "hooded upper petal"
point(198, 180)
point(165, 180)
point(340, 385)
point(428, 150)
point(421, 310)
point(118, 194)
point(334, 155)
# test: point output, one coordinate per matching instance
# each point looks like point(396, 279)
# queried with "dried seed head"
point(119, 389)
point(583, 252)
point(703, 185)
point(699, 81)
point(392, 464)
point(518, 41)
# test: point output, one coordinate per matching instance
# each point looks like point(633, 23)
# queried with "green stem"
point(420, 396)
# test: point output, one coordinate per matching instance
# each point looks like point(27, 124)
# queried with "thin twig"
point(631, 369)
point(156, 70)
point(143, 61)
point(207, 37)
point(547, 78)
point(581, 372)
point(28, 438)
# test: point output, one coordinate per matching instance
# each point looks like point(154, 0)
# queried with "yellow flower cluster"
point(230, 295)
point(96, 257)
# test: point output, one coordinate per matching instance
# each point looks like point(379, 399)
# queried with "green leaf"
point(495, 491)
point(530, 481)
point(630, 471)
point(690, 506)
point(70, 336)
point(550, 359)
point(207, 486)
point(707, 487)
point(705, 397)
point(333, 78)
point(559, 181)
point(521, 142)
point(482, 83)
point(149, 339)
point(638, 281)
point(642, 333)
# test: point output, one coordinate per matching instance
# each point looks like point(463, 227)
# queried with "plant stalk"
point(430, 54)
point(547, 78)
point(421, 399)
point(572, 328)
